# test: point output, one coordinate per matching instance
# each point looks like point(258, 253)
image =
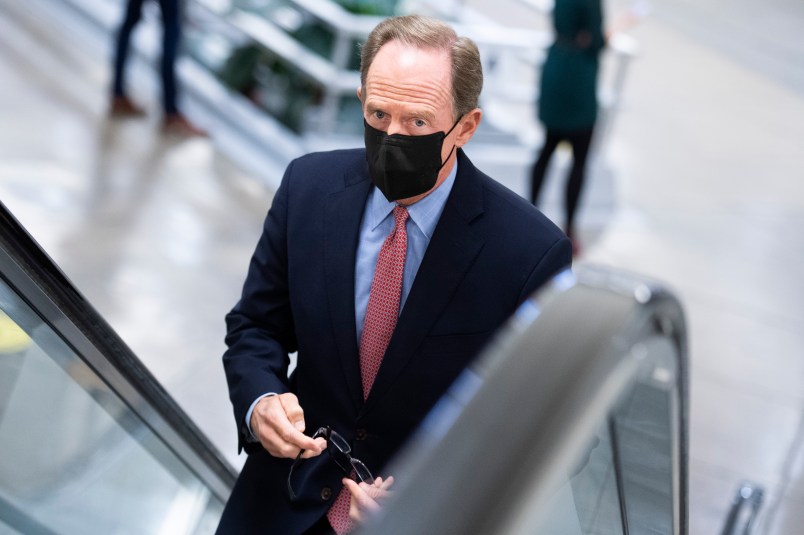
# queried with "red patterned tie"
point(338, 514)
point(382, 312)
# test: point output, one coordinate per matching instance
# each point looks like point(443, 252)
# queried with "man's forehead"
point(408, 56)
point(411, 56)
point(400, 69)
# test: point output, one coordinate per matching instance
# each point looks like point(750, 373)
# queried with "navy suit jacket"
point(490, 250)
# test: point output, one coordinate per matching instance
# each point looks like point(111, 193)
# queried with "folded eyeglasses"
point(340, 452)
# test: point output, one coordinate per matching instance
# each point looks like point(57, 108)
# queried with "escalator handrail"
point(29, 271)
point(450, 472)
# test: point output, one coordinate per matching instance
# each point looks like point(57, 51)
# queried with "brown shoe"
point(576, 245)
point(122, 106)
point(177, 124)
point(576, 248)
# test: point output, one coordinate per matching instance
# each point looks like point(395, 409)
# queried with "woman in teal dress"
point(567, 96)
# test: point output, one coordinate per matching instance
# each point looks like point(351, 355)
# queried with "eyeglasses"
point(339, 451)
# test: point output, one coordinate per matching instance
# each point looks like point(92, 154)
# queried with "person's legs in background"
point(121, 104)
point(174, 121)
point(171, 36)
point(580, 141)
point(539, 171)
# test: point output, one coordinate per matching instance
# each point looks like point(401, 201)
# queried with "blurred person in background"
point(568, 100)
point(387, 269)
point(174, 122)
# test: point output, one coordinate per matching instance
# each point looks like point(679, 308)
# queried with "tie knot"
point(400, 215)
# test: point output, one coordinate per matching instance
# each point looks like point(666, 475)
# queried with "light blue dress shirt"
point(376, 226)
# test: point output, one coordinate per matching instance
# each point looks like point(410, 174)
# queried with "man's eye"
point(379, 114)
point(419, 122)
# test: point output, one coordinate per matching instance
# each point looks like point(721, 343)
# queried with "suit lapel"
point(344, 213)
point(451, 252)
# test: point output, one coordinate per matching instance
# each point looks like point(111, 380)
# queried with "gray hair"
point(427, 32)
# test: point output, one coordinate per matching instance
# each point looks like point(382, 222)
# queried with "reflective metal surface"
point(574, 420)
point(745, 507)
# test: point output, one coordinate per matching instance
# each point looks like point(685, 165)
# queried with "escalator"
point(89, 441)
point(573, 421)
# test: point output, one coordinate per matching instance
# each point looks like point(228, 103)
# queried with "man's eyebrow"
point(420, 113)
point(424, 114)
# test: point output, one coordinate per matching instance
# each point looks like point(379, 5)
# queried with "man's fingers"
point(295, 438)
point(312, 452)
point(276, 431)
point(354, 508)
point(360, 496)
point(295, 415)
point(293, 411)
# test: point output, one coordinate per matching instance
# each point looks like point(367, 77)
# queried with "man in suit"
point(407, 225)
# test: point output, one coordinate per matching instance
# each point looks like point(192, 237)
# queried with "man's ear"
point(468, 126)
point(360, 93)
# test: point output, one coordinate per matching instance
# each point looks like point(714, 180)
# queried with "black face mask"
point(404, 166)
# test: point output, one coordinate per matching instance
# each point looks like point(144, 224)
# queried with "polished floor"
point(155, 231)
point(704, 169)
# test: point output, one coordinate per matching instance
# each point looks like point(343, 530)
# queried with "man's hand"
point(366, 499)
point(278, 423)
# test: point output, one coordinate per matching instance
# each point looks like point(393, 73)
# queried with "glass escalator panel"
point(89, 440)
point(623, 480)
point(74, 458)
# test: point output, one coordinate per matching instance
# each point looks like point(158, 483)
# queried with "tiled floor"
point(705, 170)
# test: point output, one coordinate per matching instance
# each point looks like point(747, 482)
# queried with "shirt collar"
point(425, 213)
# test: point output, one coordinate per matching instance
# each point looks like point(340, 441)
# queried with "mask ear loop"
point(453, 147)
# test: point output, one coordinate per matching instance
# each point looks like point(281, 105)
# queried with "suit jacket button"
point(326, 493)
point(361, 434)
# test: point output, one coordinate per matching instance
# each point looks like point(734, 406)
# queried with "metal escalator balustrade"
point(573, 421)
point(90, 442)
point(309, 57)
